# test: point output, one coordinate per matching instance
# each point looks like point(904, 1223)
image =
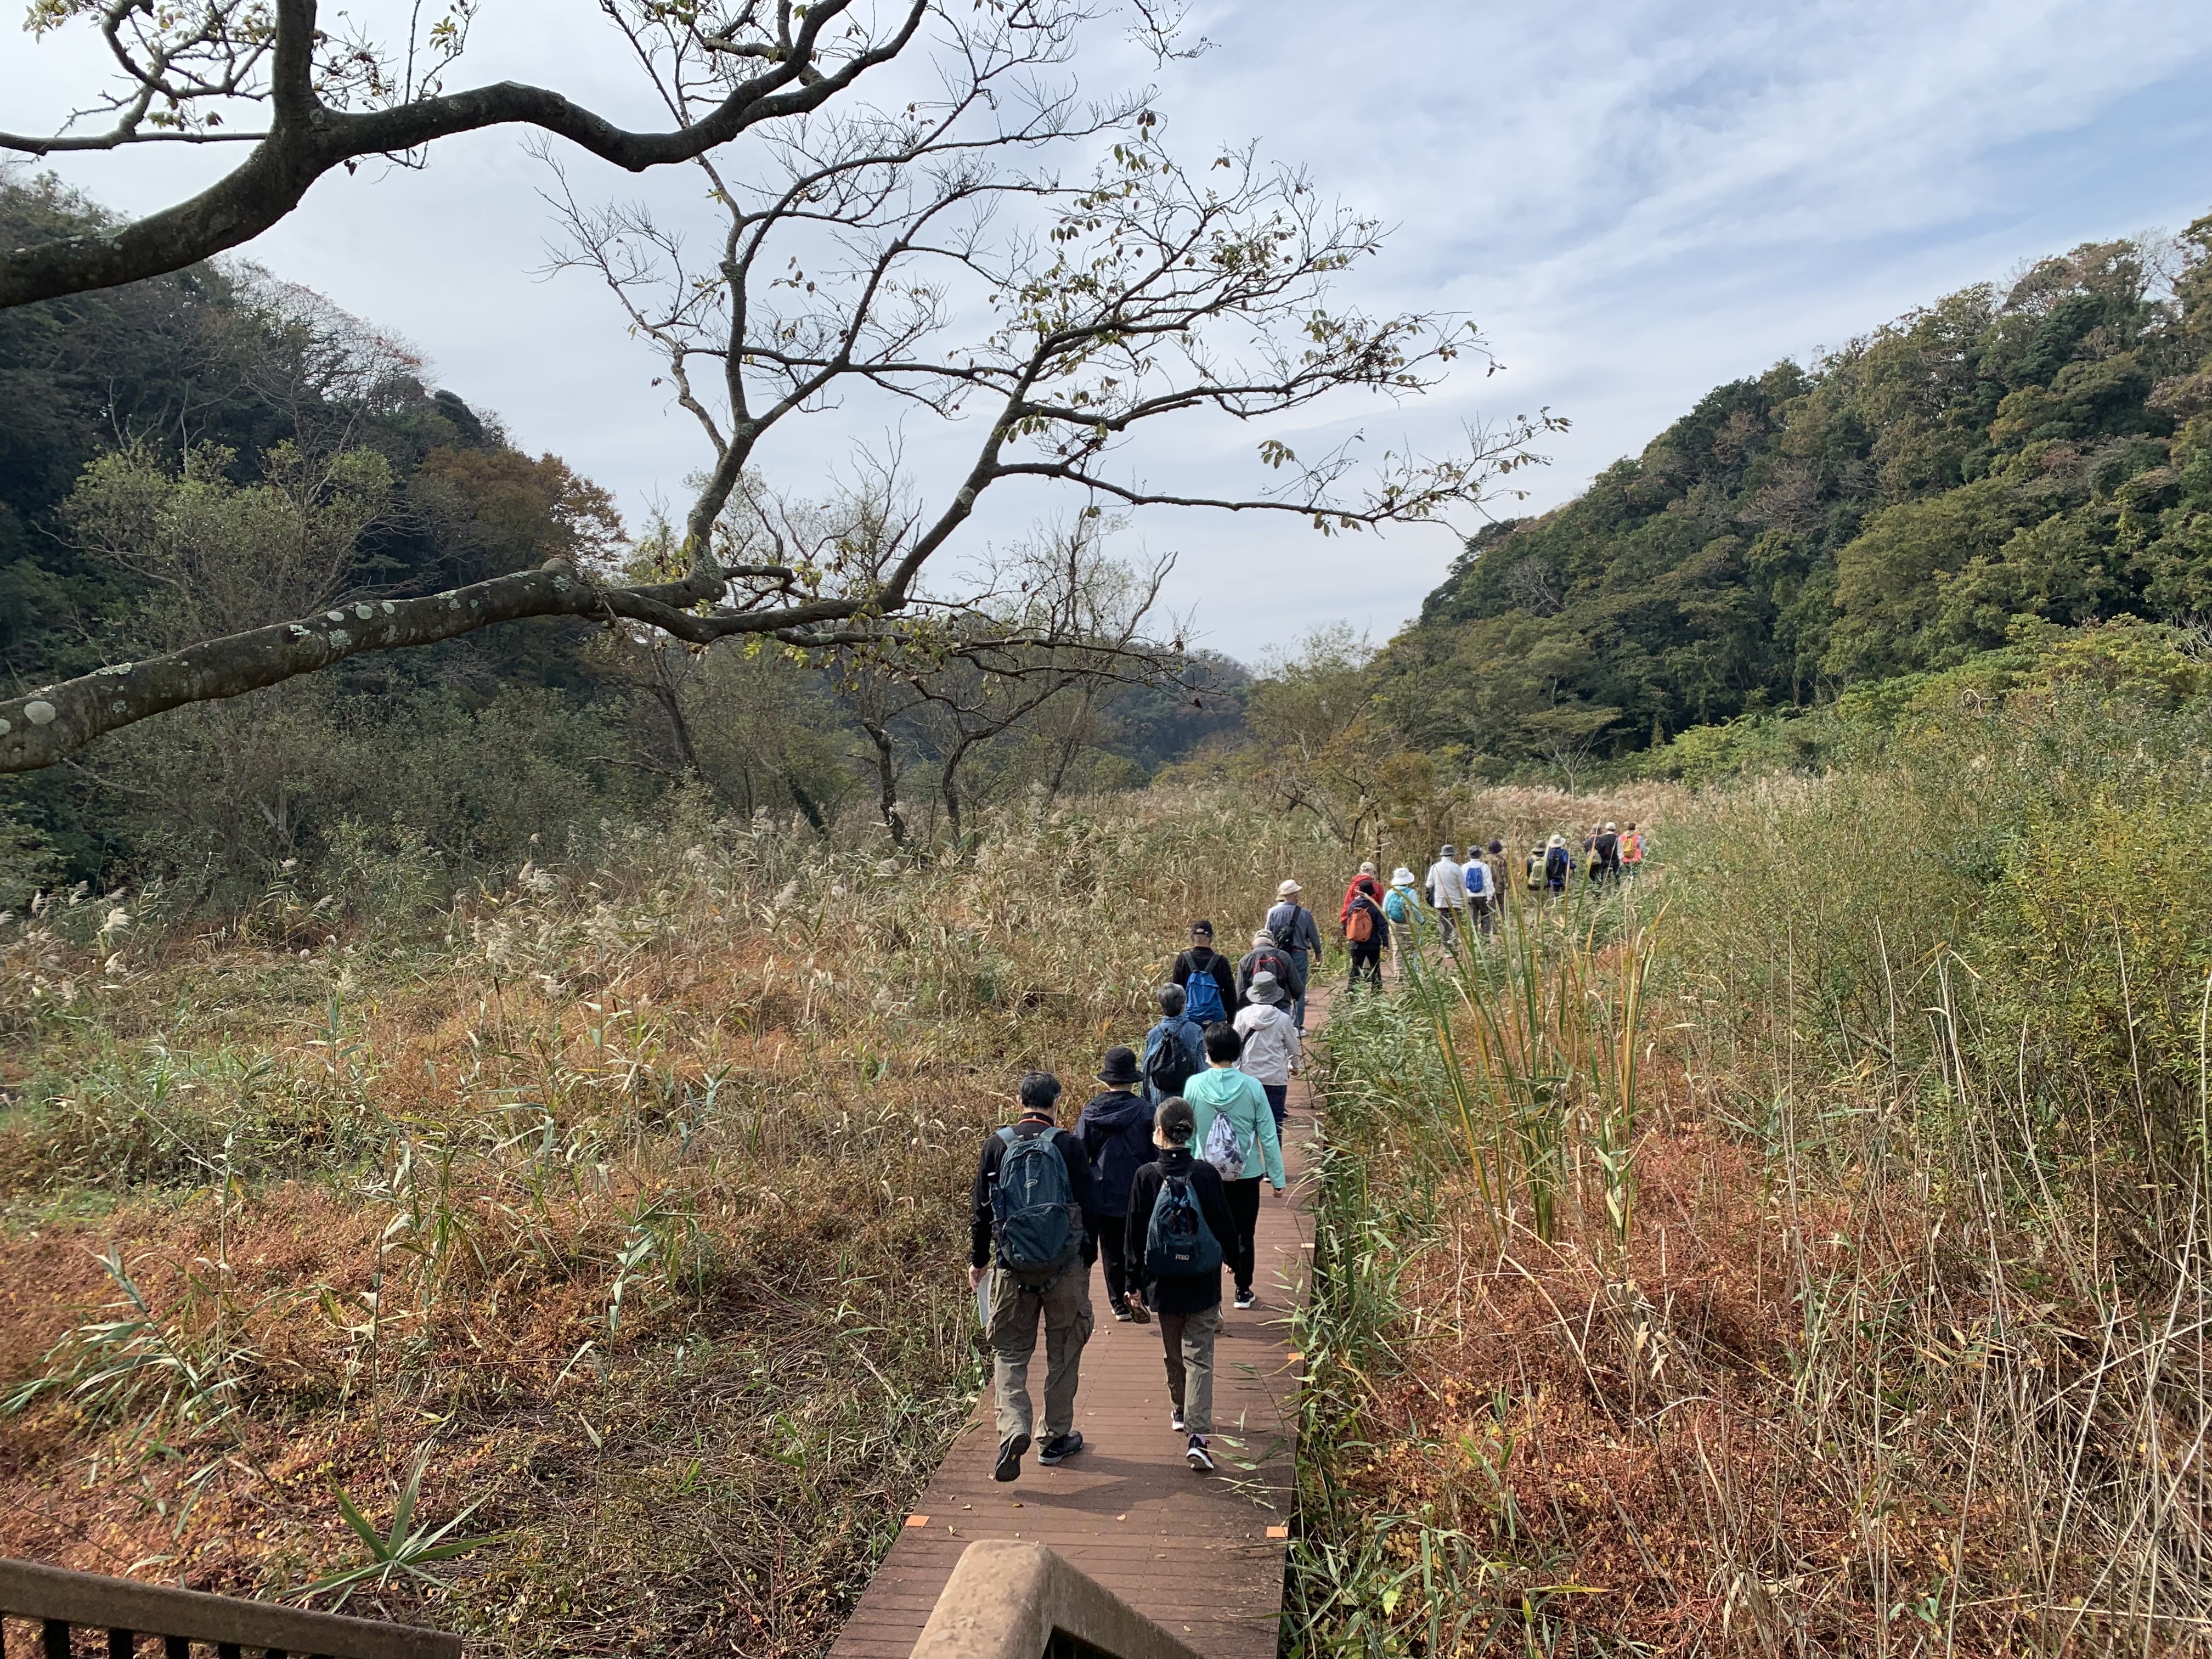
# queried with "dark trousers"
point(1367, 958)
point(1298, 1003)
point(1244, 1211)
point(1278, 1103)
point(1109, 1235)
point(1482, 914)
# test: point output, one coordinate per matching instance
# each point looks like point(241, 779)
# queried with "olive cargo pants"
point(1064, 1305)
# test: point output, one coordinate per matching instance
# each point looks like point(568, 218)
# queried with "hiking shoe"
point(1246, 1299)
point(1175, 1422)
point(1010, 1459)
point(1200, 1458)
point(1120, 1310)
point(1062, 1446)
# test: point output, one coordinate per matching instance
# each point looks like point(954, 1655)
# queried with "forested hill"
point(2040, 453)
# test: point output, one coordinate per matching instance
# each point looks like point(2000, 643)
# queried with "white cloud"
point(1635, 200)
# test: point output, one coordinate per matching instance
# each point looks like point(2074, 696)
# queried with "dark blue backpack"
point(1201, 999)
point(1177, 1241)
point(1036, 1224)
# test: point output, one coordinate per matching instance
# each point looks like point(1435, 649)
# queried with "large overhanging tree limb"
point(192, 61)
point(929, 256)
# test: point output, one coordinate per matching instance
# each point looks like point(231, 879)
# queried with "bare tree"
point(860, 247)
point(311, 100)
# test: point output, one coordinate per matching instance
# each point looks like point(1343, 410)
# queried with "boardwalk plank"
point(1190, 1551)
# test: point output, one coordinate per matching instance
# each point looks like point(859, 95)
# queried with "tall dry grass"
point(627, 1194)
point(1902, 1349)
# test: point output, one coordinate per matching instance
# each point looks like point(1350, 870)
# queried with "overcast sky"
point(1634, 201)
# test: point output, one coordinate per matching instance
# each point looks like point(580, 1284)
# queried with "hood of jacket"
point(1118, 1111)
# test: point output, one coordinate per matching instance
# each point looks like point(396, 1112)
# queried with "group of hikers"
point(1160, 1179)
point(1470, 892)
point(1162, 1175)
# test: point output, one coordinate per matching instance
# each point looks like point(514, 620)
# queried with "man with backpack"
point(1631, 850)
point(1367, 932)
point(1237, 1135)
point(1032, 1193)
point(1116, 1132)
point(1174, 1049)
point(1605, 853)
point(1206, 1004)
point(1267, 956)
point(1558, 867)
point(1481, 891)
point(1179, 1220)
point(1296, 932)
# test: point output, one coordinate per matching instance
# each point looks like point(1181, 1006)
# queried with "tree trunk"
point(887, 783)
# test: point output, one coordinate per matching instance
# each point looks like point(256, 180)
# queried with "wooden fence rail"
point(62, 1603)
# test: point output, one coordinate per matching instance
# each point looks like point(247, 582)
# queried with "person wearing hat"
point(1366, 935)
point(1267, 956)
point(1201, 1004)
point(1401, 907)
point(1271, 1042)
point(1365, 882)
point(1116, 1132)
point(1296, 932)
point(1448, 893)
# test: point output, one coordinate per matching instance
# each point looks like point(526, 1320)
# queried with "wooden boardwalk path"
point(1201, 1555)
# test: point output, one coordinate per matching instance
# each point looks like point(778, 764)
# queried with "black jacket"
point(987, 1175)
point(1179, 1293)
point(1116, 1132)
point(1223, 972)
point(1275, 959)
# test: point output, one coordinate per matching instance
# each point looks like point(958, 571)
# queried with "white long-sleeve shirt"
point(1271, 1042)
point(1447, 885)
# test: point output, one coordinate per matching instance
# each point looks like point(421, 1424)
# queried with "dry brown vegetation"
point(629, 1192)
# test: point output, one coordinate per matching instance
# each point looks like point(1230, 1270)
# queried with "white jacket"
point(1447, 885)
point(1271, 1043)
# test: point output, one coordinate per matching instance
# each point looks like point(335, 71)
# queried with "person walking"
point(1202, 961)
point(1175, 1047)
point(1367, 935)
point(1447, 885)
point(1245, 1146)
point(1495, 858)
point(1559, 866)
point(1032, 1192)
point(1116, 1132)
point(1296, 932)
point(1481, 891)
point(1179, 1231)
point(1271, 1043)
point(1605, 853)
point(1365, 882)
point(1267, 956)
point(1401, 907)
point(1631, 850)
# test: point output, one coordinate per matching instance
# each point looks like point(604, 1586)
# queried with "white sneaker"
point(1175, 1422)
point(1200, 1459)
point(1246, 1299)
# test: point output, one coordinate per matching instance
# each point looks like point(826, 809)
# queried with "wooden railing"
point(1012, 1601)
point(63, 1603)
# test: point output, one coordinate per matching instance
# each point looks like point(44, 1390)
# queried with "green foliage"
point(1994, 461)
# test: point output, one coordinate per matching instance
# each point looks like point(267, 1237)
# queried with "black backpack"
point(1168, 1067)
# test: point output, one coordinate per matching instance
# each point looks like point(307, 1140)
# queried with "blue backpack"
point(1034, 1219)
point(1201, 999)
point(1177, 1241)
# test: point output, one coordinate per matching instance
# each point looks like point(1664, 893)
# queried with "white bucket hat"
point(1401, 876)
point(1287, 888)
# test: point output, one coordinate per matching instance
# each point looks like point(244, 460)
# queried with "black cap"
point(1120, 1066)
